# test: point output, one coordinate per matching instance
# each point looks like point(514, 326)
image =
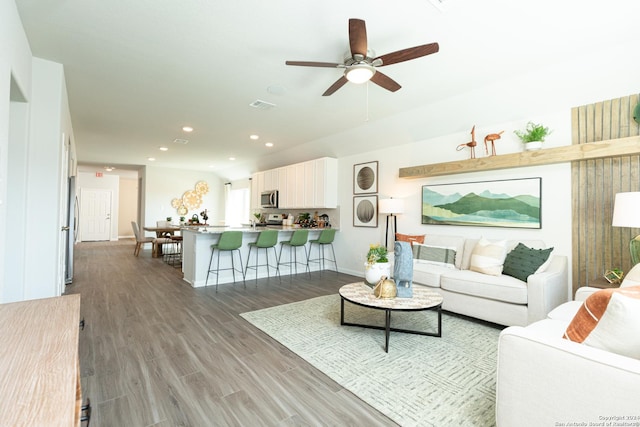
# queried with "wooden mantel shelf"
point(570, 153)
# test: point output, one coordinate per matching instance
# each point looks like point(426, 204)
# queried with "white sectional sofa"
point(545, 380)
point(500, 299)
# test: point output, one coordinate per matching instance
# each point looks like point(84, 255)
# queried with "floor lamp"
point(626, 213)
point(391, 207)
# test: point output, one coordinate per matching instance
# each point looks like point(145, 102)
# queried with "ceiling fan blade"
point(358, 37)
point(337, 85)
point(314, 64)
point(385, 81)
point(408, 54)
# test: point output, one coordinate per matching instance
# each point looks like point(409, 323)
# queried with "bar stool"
point(229, 241)
point(298, 239)
point(326, 238)
point(266, 239)
point(175, 256)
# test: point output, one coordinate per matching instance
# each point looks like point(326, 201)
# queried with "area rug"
point(422, 381)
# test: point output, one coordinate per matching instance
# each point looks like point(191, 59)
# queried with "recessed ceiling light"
point(254, 137)
point(187, 128)
point(151, 159)
point(109, 168)
point(232, 158)
point(212, 166)
point(268, 144)
point(164, 149)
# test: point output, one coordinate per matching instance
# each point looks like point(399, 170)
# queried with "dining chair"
point(140, 240)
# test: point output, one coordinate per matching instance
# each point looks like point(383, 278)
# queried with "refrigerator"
point(71, 228)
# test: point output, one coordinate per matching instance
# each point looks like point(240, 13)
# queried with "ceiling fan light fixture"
point(359, 73)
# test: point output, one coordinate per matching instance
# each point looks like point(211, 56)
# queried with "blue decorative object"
point(403, 269)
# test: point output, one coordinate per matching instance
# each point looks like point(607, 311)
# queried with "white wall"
point(353, 242)
point(162, 185)
point(15, 77)
point(49, 128)
point(128, 202)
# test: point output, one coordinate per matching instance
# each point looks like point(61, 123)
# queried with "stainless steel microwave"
point(269, 199)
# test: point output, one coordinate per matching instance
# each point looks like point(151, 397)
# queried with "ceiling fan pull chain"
point(366, 118)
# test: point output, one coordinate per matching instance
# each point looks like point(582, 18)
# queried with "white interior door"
point(95, 215)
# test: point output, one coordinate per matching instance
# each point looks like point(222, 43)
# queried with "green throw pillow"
point(523, 261)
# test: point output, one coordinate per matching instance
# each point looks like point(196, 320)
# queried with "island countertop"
point(217, 229)
point(196, 250)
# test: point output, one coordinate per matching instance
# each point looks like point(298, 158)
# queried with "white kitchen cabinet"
point(309, 197)
point(299, 199)
point(306, 185)
point(270, 180)
point(326, 182)
point(257, 186)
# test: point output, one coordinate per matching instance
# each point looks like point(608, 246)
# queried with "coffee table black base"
point(387, 322)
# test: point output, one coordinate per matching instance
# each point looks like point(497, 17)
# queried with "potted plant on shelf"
point(533, 136)
point(377, 264)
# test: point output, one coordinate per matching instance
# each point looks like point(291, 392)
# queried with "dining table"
point(164, 231)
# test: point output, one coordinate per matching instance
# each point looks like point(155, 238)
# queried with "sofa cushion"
point(499, 288)
point(410, 238)
point(428, 275)
point(524, 261)
point(488, 257)
point(610, 320)
point(436, 255)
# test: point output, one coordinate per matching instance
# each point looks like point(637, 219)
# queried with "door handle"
point(65, 228)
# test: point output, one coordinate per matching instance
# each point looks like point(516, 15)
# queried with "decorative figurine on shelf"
point(492, 137)
point(403, 269)
point(471, 144)
point(204, 216)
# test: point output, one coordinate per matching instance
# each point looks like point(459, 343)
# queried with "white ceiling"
point(137, 71)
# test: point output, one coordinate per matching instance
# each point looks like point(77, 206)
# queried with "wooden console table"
point(39, 362)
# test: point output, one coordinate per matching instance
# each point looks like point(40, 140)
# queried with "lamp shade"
point(626, 210)
point(391, 206)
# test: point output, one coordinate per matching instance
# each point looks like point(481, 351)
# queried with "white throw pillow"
point(488, 257)
point(618, 330)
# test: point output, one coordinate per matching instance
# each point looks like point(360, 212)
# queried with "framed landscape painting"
point(506, 203)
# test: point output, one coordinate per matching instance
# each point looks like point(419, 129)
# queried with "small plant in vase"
point(533, 135)
point(377, 264)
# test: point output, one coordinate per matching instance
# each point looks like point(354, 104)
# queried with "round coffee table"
point(423, 299)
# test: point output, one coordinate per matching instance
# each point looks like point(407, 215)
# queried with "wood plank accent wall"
point(597, 245)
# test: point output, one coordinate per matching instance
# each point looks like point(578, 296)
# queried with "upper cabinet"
point(306, 185)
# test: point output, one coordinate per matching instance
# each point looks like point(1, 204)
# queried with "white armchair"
point(545, 380)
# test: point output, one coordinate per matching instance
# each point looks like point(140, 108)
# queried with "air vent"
point(262, 105)
point(181, 141)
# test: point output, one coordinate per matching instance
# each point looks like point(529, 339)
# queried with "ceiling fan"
point(362, 65)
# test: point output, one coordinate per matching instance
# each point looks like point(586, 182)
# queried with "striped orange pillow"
point(610, 320)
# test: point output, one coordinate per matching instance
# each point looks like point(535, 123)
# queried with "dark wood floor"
point(157, 352)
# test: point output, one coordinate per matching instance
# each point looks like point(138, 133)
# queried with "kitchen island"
point(196, 253)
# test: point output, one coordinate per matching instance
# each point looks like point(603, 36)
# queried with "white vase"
point(373, 272)
point(533, 145)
